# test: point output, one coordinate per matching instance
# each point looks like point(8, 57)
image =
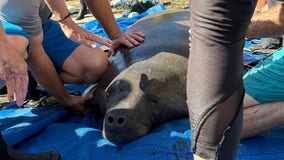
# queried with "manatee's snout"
point(121, 125)
point(116, 120)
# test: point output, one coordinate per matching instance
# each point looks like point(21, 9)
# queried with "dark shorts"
point(57, 46)
point(11, 29)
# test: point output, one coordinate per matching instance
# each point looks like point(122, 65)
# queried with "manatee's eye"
point(119, 87)
point(115, 89)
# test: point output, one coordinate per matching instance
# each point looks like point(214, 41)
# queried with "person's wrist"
point(115, 36)
point(62, 19)
point(65, 100)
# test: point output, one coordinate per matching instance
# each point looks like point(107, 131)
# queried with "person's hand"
point(82, 36)
point(129, 39)
point(78, 103)
point(13, 70)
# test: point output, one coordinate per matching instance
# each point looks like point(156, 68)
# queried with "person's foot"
point(16, 155)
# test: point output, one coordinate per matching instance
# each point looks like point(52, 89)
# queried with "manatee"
point(145, 86)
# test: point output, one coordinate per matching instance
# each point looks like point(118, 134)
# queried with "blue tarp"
point(79, 137)
point(249, 56)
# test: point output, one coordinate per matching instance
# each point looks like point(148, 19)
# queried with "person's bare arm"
point(70, 28)
point(13, 70)
point(102, 11)
point(269, 23)
point(45, 73)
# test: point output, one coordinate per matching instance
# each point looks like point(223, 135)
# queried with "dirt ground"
point(170, 4)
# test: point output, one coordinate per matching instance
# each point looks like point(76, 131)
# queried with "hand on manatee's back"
point(128, 39)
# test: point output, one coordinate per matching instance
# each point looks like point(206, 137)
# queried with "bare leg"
point(249, 101)
point(84, 65)
point(259, 118)
point(21, 43)
point(263, 117)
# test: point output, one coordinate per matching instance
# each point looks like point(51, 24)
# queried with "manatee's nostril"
point(110, 119)
point(120, 121)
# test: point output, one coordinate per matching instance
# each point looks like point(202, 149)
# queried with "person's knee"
point(93, 71)
point(98, 69)
point(84, 65)
point(21, 44)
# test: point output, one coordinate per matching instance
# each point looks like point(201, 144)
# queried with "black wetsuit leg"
point(3, 149)
point(8, 153)
point(214, 81)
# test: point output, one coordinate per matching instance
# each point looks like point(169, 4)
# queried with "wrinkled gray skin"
point(145, 86)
